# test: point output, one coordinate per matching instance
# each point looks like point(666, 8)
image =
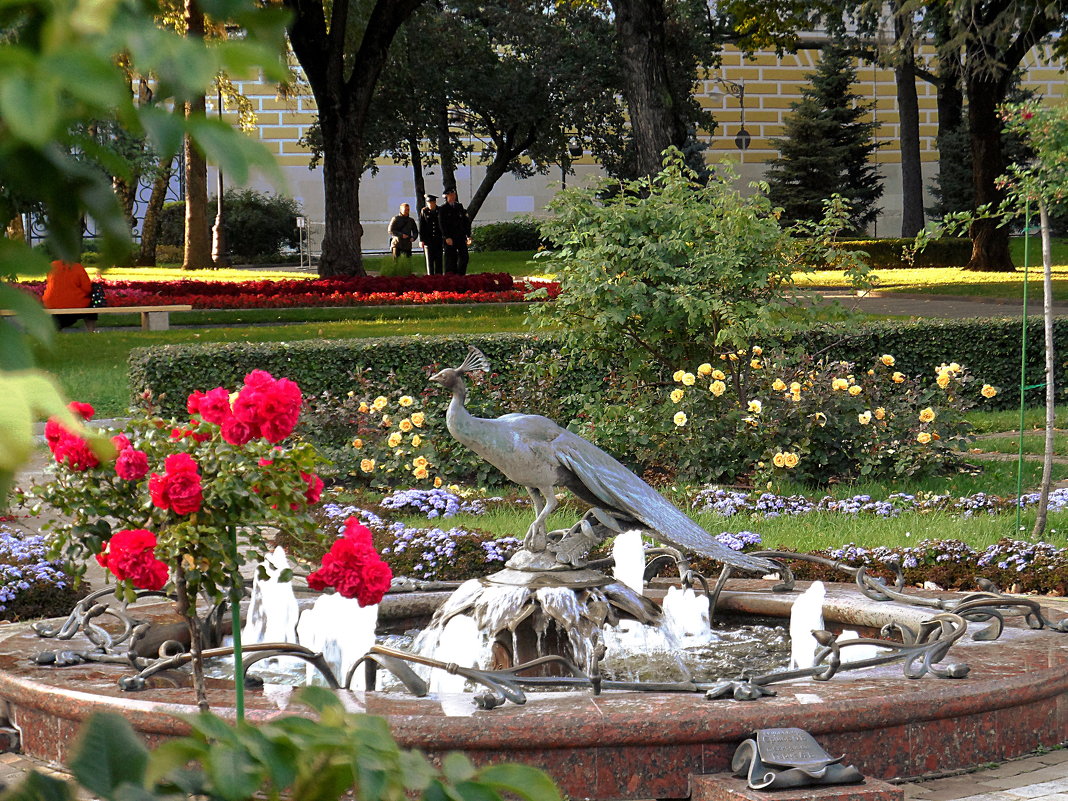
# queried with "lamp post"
point(737, 89)
point(574, 150)
point(218, 236)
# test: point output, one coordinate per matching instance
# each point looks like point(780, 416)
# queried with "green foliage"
point(892, 253)
point(657, 272)
point(827, 147)
point(512, 235)
point(256, 225)
point(301, 758)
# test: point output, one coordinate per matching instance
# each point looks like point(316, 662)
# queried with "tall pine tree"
point(827, 147)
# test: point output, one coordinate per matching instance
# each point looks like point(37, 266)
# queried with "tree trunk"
point(950, 107)
point(1051, 373)
point(342, 169)
point(197, 236)
point(990, 240)
point(640, 33)
point(187, 608)
point(415, 153)
point(445, 151)
point(909, 117)
point(150, 225)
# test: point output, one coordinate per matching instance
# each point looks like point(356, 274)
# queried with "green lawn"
point(1034, 444)
point(92, 367)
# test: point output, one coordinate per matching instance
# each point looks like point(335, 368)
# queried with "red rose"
point(237, 432)
point(315, 487)
point(353, 567)
point(259, 379)
point(178, 489)
point(192, 403)
point(121, 442)
point(53, 432)
point(358, 532)
point(131, 465)
point(215, 406)
point(279, 409)
point(83, 410)
point(377, 577)
point(74, 451)
point(130, 555)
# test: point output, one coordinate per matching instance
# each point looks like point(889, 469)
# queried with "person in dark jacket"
point(455, 231)
point(402, 233)
point(430, 235)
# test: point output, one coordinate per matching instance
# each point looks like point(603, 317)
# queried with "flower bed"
point(364, 291)
point(31, 584)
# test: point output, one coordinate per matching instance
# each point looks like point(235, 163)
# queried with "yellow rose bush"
point(815, 420)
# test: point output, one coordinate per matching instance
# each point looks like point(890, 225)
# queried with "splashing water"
point(806, 616)
point(629, 556)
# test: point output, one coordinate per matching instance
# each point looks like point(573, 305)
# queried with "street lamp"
point(737, 89)
point(574, 150)
point(218, 236)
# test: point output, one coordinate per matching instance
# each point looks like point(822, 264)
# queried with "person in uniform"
point(455, 231)
point(430, 235)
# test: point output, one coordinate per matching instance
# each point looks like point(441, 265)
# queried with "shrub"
point(889, 254)
point(511, 235)
point(256, 225)
point(31, 584)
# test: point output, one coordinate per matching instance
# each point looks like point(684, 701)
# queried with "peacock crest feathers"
point(475, 360)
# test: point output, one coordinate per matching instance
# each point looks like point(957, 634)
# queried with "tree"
point(827, 148)
point(343, 53)
point(197, 254)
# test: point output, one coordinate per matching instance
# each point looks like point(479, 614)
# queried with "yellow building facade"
point(771, 84)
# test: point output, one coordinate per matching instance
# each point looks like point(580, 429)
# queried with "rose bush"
point(186, 503)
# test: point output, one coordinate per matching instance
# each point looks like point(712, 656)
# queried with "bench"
point(153, 318)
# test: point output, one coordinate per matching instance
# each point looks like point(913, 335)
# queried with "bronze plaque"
point(792, 748)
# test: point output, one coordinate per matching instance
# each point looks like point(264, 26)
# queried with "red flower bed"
point(371, 291)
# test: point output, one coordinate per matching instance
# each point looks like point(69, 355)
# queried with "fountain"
point(899, 705)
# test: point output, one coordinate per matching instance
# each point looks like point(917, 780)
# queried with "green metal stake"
point(235, 622)
point(1023, 365)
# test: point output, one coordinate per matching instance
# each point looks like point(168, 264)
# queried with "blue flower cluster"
point(435, 502)
point(1017, 555)
point(768, 505)
point(737, 541)
point(337, 514)
point(24, 563)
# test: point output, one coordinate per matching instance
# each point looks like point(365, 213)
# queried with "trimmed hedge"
point(510, 235)
point(886, 253)
point(989, 348)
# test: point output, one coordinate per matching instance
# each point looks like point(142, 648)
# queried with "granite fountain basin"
point(621, 745)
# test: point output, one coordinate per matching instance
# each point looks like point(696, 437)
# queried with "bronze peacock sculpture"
point(539, 455)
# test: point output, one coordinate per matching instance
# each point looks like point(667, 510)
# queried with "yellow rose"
point(795, 397)
point(688, 379)
point(420, 461)
point(678, 375)
point(418, 418)
point(704, 369)
point(357, 443)
point(923, 437)
point(755, 406)
point(855, 390)
point(717, 388)
point(394, 439)
point(677, 395)
point(864, 418)
point(791, 460)
point(454, 488)
point(367, 465)
point(880, 413)
point(757, 350)
point(820, 419)
point(871, 372)
point(405, 425)
point(718, 375)
point(778, 459)
point(437, 482)
point(405, 400)
point(755, 364)
point(942, 380)
point(898, 378)
point(839, 384)
point(795, 386)
point(988, 391)
point(387, 421)
point(954, 367)
point(680, 419)
point(380, 403)
point(887, 359)
point(778, 385)
point(927, 415)
point(350, 394)
point(416, 440)
point(733, 357)
point(420, 473)
point(364, 408)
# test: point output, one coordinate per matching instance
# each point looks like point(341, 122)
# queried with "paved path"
point(940, 306)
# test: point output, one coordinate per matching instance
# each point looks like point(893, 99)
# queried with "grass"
point(1009, 419)
point(103, 380)
point(1032, 444)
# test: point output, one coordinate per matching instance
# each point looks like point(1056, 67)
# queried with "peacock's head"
point(450, 378)
point(453, 378)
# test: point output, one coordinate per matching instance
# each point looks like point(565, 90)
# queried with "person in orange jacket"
point(68, 287)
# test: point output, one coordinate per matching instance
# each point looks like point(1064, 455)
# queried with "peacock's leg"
point(538, 534)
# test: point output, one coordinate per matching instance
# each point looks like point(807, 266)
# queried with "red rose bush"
point(353, 567)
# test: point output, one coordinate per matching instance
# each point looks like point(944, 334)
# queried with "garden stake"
point(236, 591)
point(1023, 364)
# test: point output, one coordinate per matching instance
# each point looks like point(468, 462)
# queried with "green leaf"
point(108, 753)
point(233, 774)
point(457, 767)
point(233, 152)
point(165, 129)
point(30, 108)
point(476, 791)
point(171, 755)
point(86, 76)
point(524, 781)
point(416, 771)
